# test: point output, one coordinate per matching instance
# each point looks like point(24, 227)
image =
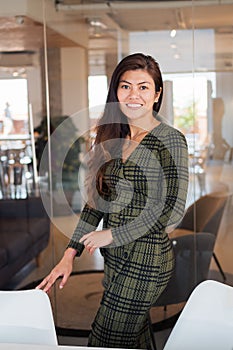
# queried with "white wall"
point(166, 109)
point(35, 93)
point(224, 89)
point(74, 80)
point(12, 7)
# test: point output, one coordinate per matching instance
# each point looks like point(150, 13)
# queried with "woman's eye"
point(125, 86)
point(143, 87)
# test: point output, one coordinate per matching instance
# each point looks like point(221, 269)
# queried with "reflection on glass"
point(197, 67)
point(82, 41)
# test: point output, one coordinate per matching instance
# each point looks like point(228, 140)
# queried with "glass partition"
point(25, 226)
point(63, 54)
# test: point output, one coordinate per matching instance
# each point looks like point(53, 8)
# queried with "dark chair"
point(193, 253)
point(204, 215)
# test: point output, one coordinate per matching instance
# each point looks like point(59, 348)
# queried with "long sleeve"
point(165, 168)
point(89, 220)
point(93, 211)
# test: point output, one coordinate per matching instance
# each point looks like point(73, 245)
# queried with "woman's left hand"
point(96, 239)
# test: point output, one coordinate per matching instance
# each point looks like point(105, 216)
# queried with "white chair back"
point(26, 317)
point(206, 322)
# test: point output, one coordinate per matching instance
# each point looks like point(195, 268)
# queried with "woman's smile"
point(137, 94)
point(134, 105)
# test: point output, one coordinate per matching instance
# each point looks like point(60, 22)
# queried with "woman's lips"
point(134, 105)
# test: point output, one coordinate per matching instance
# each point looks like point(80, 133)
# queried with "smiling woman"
point(137, 94)
point(137, 191)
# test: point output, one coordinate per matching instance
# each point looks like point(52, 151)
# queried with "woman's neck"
point(136, 129)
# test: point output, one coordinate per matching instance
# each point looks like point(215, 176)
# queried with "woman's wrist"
point(70, 253)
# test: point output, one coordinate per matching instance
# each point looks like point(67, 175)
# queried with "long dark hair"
point(112, 113)
point(113, 125)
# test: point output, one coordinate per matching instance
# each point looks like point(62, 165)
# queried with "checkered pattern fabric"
point(147, 194)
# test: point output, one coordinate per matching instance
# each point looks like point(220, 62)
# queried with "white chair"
point(206, 321)
point(26, 318)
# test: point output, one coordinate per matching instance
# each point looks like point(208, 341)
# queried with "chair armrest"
point(178, 232)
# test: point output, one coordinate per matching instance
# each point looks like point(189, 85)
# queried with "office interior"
point(56, 59)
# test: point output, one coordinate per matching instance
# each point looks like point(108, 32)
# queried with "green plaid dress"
point(148, 194)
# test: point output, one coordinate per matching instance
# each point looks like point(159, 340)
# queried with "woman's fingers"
point(46, 284)
point(87, 241)
point(63, 281)
point(96, 239)
point(42, 284)
point(62, 269)
point(85, 238)
point(49, 281)
point(92, 250)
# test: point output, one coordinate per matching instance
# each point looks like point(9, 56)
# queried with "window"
point(14, 106)
point(97, 93)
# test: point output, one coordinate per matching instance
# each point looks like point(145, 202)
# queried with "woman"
point(139, 189)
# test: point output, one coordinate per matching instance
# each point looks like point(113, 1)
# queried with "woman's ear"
point(157, 95)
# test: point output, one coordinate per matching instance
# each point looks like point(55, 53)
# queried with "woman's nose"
point(134, 92)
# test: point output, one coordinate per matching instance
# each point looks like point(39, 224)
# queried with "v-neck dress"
point(147, 194)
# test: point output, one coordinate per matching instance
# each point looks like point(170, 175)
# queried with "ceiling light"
point(97, 32)
point(173, 33)
point(177, 56)
point(97, 23)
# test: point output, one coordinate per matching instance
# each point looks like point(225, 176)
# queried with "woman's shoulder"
point(165, 129)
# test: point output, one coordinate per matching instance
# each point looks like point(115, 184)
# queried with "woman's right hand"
point(62, 269)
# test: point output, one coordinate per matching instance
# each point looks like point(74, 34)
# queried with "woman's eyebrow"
point(144, 82)
point(128, 82)
point(124, 81)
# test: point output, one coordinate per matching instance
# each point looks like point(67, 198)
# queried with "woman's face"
point(136, 94)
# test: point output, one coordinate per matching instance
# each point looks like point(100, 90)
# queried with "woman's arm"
point(88, 222)
point(62, 269)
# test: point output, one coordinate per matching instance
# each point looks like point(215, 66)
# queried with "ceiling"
point(116, 17)
point(21, 33)
point(146, 15)
point(106, 21)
